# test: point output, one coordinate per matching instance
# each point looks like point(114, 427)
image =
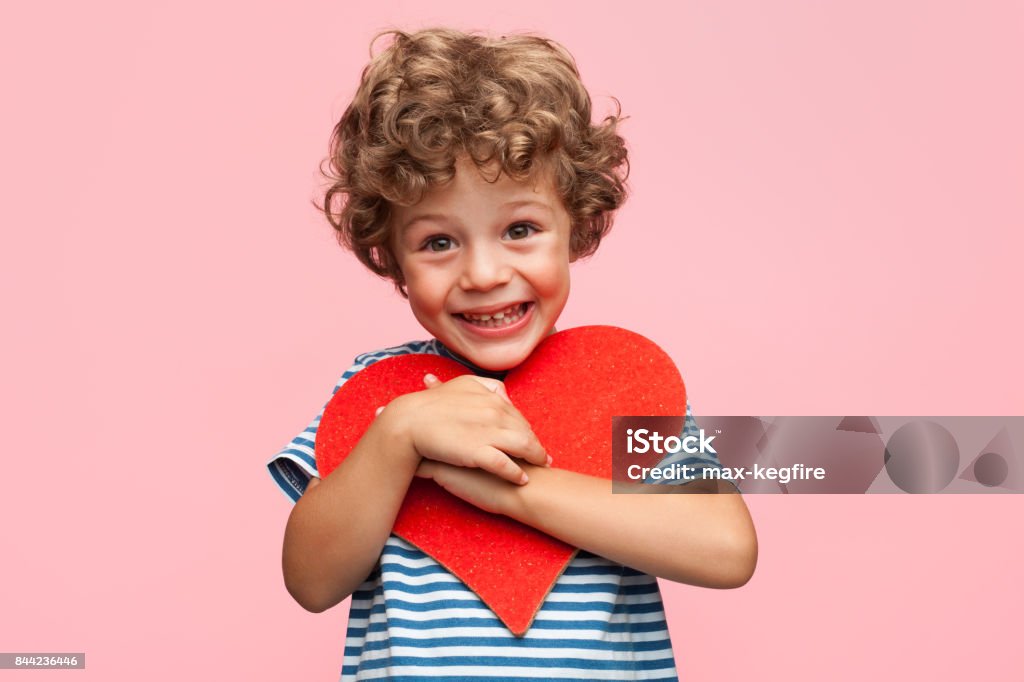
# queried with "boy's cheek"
point(426, 292)
point(423, 305)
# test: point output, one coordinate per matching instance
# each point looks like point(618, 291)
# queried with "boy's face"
point(486, 265)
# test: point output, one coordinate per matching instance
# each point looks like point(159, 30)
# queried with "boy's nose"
point(484, 269)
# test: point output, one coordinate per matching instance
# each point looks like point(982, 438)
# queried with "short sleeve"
point(295, 463)
point(696, 461)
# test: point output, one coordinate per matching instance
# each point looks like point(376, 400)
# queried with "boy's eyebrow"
point(436, 217)
point(526, 202)
point(440, 217)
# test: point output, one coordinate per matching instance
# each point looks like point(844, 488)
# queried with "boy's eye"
point(438, 244)
point(520, 231)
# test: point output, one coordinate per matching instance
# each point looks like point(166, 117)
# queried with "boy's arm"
point(699, 539)
point(337, 529)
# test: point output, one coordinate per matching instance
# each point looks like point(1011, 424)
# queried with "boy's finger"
point(522, 444)
point(425, 469)
point(503, 393)
point(501, 465)
point(494, 386)
point(516, 437)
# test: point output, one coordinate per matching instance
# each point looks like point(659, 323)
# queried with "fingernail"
point(379, 410)
point(524, 479)
point(430, 379)
point(549, 461)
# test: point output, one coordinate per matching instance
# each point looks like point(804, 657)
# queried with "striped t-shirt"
point(411, 619)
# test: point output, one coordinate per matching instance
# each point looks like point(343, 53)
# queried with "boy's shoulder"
point(363, 360)
point(430, 347)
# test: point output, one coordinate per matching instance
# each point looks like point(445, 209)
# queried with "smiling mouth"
point(498, 319)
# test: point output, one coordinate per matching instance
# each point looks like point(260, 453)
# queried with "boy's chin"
point(496, 363)
point(496, 359)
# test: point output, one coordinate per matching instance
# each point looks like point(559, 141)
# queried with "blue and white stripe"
point(413, 620)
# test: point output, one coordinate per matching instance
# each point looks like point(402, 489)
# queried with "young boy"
point(472, 177)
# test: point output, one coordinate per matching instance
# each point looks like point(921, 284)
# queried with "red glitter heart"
point(569, 389)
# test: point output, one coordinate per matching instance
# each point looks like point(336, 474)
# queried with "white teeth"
point(502, 318)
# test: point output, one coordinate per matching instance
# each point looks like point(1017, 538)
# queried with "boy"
point(473, 177)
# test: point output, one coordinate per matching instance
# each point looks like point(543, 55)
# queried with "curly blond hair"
point(512, 103)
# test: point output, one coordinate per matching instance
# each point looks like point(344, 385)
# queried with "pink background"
point(826, 219)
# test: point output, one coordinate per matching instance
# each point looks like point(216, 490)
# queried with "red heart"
point(569, 389)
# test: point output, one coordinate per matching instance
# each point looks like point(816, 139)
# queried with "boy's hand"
point(470, 422)
point(475, 486)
